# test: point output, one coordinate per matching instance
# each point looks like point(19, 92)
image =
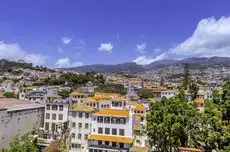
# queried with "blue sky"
point(60, 33)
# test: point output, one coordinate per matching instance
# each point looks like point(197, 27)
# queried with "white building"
point(35, 95)
point(168, 93)
point(56, 117)
point(18, 117)
point(80, 117)
point(112, 131)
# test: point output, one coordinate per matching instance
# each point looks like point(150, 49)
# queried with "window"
point(60, 107)
point(79, 125)
point(121, 132)
point(47, 116)
point(60, 117)
point(73, 135)
point(121, 145)
point(47, 107)
point(86, 136)
point(80, 115)
point(99, 142)
point(79, 136)
point(106, 120)
point(122, 120)
point(74, 114)
point(100, 119)
point(73, 125)
point(54, 116)
point(54, 107)
point(107, 131)
point(106, 142)
point(100, 130)
point(114, 131)
point(86, 126)
point(53, 127)
point(114, 144)
point(86, 115)
point(46, 126)
point(114, 120)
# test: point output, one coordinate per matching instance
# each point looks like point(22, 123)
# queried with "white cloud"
point(60, 50)
point(210, 38)
point(157, 50)
point(141, 48)
point(13, 51)
point(66, 40)
point(143, 60)
point(106, 47)
point(65, 63)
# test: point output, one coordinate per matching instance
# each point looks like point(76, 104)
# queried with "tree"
point(64, 93)
point(193, 89)
point(145, 93)
point(186, 75)
point(175, 122)
point(25, 143)
point(9, 95)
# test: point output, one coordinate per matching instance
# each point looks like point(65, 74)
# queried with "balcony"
point(44, 142)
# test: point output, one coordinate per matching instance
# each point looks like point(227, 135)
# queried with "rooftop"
point(138, 106)
point(83, 108)
point(119, 139)
point(185, 149)
point(53, 96)
point(15, 104)
point(199, 100)
point(113, 112)
point(77, 94)
point(138, 149)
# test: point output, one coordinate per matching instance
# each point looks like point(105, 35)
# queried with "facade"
point(56, 117)
point(112, 130)
point(80, 126)
point(168, 93)
point(78, 97)
point(35, 96)
point(18, 117)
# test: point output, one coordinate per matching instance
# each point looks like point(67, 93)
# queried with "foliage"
point(176, 122)
point(56, 146)
point(186, 75)
point(9, 95)
point(145, 93)
point(64, 93)
point(76, 79)
point(193, 89)
point(111, 88)
point(25, 143)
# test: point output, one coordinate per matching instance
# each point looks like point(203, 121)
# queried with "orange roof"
point(113, 112)
point(53, 96)
point(77, 93)
point(140, 114)
point(138, 106)
point(185, 149)
point(138, 149)
point(119, 139)
point(199, 100)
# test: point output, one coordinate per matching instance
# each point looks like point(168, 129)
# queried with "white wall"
point(18, 122)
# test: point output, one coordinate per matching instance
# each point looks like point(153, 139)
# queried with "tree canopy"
point(176, 122)
point(9, 95)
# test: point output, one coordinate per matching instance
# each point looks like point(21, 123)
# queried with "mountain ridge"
point(132, 67)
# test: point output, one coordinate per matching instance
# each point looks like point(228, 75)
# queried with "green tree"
point(145, 93)
point(64, 93)
point(193, 89)
point(9, 95)
point(25, 143)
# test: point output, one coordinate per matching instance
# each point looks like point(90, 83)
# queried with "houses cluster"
point(87, 120)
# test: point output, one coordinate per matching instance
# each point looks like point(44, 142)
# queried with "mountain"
point(131, 67)
point(117, 68)
point(7, 64)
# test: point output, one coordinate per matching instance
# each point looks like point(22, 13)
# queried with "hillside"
point(194, 63)
point(7, 64)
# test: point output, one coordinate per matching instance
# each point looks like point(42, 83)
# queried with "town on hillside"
point(55, 110)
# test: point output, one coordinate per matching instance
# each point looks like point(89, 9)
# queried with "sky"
point(68, 33)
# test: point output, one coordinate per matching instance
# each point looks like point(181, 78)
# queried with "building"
point(168, 93)
point(80, 126)
point(186, 149)
point(78, 97)
point(112, 131)
point(35, 95)
point(56, 118)
point(18, 117)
